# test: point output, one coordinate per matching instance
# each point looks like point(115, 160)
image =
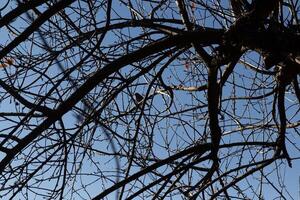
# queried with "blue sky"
point(178, 131)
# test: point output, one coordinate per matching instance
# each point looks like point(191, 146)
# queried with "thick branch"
point(102, 74)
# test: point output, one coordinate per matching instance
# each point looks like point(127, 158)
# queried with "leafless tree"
point(148, 99)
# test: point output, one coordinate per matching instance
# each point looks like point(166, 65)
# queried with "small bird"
point(139, 98)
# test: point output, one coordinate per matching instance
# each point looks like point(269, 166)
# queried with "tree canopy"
point(148, 99)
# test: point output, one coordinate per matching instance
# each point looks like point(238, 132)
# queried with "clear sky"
point(178, 131)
